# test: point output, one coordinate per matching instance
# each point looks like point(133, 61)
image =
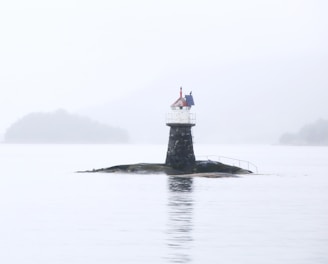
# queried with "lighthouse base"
point(180, 152)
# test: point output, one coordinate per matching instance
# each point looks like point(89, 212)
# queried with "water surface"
point(50, 214)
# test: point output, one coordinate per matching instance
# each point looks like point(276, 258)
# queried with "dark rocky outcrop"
point(205, 168)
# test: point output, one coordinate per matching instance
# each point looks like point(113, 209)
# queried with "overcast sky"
point(261, 64)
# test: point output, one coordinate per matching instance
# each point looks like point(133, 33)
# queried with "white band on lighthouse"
point(182, 116)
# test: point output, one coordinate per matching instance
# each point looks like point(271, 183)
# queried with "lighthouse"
point(180, 157)
point(180, 152)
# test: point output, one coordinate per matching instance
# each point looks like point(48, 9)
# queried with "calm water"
point(49, 214)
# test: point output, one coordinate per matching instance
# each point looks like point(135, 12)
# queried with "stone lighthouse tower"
point(180, 153)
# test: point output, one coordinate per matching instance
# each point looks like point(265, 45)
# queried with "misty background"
point(257, 69)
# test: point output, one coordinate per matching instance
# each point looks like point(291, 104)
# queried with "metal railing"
point(231, 161)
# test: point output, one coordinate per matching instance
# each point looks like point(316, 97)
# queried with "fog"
point(257, 69)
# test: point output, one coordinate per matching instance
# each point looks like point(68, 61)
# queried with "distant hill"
point(311, 134)
point(62, 127)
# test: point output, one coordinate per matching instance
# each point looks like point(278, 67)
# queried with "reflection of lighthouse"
point(180, 225)
point(180, 153)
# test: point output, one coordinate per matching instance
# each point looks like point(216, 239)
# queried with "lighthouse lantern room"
point(180, 113)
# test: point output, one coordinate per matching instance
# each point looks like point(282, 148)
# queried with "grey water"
point(50, 214)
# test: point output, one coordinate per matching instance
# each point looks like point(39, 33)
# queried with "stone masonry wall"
point(180, 153)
